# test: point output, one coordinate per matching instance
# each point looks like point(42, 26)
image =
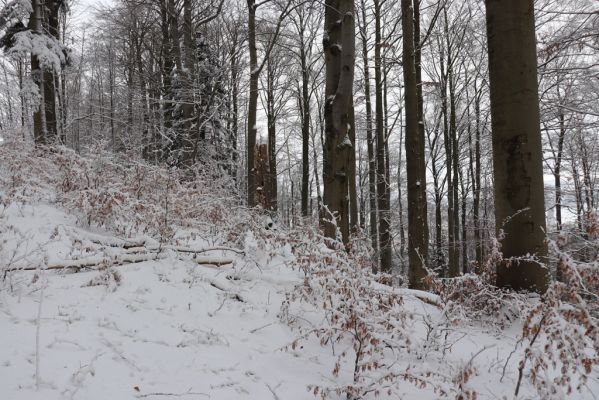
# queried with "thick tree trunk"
point(35, 24)
point(339, 48)
point(52, 9)
point(415, 158)
point(517, 151)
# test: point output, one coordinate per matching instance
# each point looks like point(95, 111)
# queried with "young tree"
point(517, 151)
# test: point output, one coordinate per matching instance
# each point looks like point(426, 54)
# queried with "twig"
point(274, 394)
point(172, 394)
point(37, 334)
point(521, 367)
point(261, 327)
point(235, 296)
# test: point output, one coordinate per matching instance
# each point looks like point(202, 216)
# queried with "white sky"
point(82, 10)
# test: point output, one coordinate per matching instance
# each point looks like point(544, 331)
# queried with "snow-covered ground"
point(203, 324)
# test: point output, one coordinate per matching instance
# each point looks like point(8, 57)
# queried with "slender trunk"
point(577, 191)
point(111, 84)
point(381, 176)
point(305, 121)
point(252, 104)
point(369, 139)
point(166, 69)
point(557, 171)
point(235, 107)
point(21, 72)
point(191, 135)
point(452, 162)
point(272, 136)
point(353, 195)
point(402, 237)
point(477, 187)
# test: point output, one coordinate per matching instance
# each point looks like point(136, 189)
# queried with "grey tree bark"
point(382, 184)
point(517, 151)
point(339, 48)
point(369, 140)
point(415, 158)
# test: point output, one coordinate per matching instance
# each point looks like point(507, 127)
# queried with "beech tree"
point(339, 47)
point(415, 162)
point(517, 151)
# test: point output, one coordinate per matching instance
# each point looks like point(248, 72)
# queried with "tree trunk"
point(305, 121)
point(252, 104)
point(272, 136)
point(52, 8)
point(517, 151)
point(557, 171)
point(353, 194)
point(339, 48)
point(384, 216)
point(477, 187)
point(369, 140)
point(415, 158)
point(166, 69)
point(35, 24)
point(189, 131)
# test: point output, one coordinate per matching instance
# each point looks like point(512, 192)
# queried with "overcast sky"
point(83, 10)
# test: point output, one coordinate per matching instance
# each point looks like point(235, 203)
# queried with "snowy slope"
point(172, 324)
point(176, 328)
point(170, 327)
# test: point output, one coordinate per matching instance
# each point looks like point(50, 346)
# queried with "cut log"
point(213, 261)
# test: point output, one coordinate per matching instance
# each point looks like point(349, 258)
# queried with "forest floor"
point(176, 326)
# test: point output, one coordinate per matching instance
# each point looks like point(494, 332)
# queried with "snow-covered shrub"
point(559, 343)
point(366, 324)
point(474, 298)
point(129, 197)
point(561, 333)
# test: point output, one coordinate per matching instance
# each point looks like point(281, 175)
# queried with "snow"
point(208, 318)
point(169, 327)
point(346, 142)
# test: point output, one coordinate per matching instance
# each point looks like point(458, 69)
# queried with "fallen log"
point(105, 262)
point(211, 261)
point(92, 262)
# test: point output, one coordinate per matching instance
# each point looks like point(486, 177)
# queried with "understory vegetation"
point(379, 335)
